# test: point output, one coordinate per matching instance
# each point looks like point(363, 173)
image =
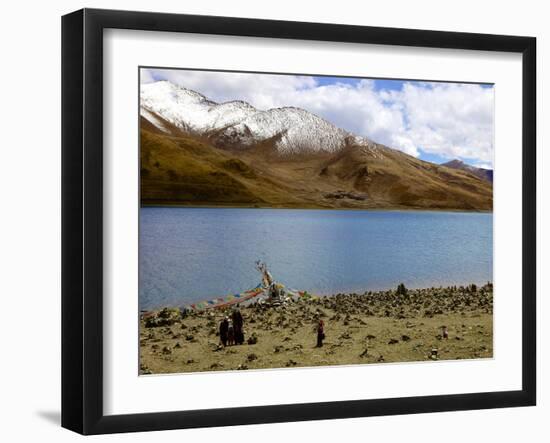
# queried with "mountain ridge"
point(482, 173)
point(195, 151)
point(239, 123)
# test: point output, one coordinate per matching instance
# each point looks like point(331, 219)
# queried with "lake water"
point(193, 254)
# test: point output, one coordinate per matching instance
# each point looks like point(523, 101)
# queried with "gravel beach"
point(400, 325)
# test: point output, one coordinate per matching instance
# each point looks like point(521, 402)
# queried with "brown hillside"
point(182, 169)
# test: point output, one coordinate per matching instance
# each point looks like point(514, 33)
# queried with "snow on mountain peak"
point(292, 129)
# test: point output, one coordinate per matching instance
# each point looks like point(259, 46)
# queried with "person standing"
point(238, 326)
point(230, 333)
point(224, 329)
point(320, 333)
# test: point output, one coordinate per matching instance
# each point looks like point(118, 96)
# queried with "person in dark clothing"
point(320, 333)
point(224, 328)
point(238, 326)
point(230, 333)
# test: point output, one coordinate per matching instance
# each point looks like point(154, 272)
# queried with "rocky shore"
point(375, 327)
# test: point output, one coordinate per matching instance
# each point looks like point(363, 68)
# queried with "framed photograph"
point(269, 221)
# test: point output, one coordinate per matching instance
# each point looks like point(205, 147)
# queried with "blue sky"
point(379, 84)
point(433, 121)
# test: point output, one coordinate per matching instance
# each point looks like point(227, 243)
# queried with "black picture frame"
point(82, 218)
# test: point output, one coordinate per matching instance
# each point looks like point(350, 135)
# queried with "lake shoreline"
point(428, 324)
point(314, 208)
point(319, 294)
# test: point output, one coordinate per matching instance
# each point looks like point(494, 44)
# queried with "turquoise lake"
point(193, 254)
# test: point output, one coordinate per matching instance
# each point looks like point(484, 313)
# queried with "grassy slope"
point(186, 170)
point(395, 178)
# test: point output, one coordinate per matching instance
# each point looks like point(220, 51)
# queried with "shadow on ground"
point(54, 417)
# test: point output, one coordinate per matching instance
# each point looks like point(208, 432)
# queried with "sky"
point(433, 121)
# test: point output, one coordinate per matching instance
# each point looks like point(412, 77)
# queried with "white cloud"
point(483, 165)
point(448, 119)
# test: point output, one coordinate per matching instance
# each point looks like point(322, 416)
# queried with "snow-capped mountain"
point(194, 151)
point(239, 124)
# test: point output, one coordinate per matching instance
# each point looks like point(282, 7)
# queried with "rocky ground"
point(375, 327)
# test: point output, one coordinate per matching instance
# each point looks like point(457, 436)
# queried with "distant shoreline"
point(313, 208)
